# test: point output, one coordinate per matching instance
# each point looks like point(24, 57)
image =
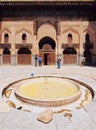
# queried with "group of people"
point(38, 60)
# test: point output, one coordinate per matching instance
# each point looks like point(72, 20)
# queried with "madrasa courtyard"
point(47, 97)
point(78, 118)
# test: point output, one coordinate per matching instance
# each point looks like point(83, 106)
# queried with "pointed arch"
point(75, 34)
point(91, 32)
point(71, 30)
point(23, 30)
point(6, 30)
point(20, 32)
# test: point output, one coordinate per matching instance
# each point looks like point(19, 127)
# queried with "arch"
point(74, 37)
point(47, 47)
point(69, 38)
point(6, 35)
point(70, 50)
point(24, 50)
point(47, 40)
point(6, 57)
point(70, 35)
point(24, 38)
point(87, 38)
point(72, 30)
point(5, 30)
point(70, 55)
point(6, 38)
point(6, 51)
point(88, 57)
point(91, 32)
point(23, 30)
point(47, 50)
point(47, 24)
point(46, 29)
point(24, 56)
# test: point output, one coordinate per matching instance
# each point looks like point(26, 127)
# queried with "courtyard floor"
point(82, 119)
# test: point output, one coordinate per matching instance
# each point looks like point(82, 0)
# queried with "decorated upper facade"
point(48, 8)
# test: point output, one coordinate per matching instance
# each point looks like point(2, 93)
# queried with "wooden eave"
point(65, 9)
point(48, 3)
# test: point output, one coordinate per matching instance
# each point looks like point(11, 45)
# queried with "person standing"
point(59, 62)
point(36, 59)
point(40, 60)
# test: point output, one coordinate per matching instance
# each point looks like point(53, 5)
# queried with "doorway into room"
point(46, 58)
point(47, 51)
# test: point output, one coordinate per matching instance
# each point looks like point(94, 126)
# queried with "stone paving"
point(82, 119)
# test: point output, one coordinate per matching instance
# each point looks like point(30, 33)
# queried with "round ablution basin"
point(47, 91)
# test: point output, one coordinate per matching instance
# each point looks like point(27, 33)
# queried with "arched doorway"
point(6, 57)
point(24, 56)
point(87, 52)
point(70, 55)
point(88, 57)
point(47, 50)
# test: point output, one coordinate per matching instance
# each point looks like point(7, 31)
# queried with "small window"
point(69, 38)
point(6, 38)
point(87, 38)
point(70, 35)
point(24, 38)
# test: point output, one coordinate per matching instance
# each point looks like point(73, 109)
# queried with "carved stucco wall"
point(56, 30)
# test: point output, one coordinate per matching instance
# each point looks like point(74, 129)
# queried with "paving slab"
point(82, 119)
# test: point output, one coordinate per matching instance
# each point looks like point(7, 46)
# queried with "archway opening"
point(70, 50)
point(6, 58)
point(87, 52)
point(24, 50)
point(24, 56)
point(70, 55)
point(88, 57)
point(47, 40)
point(47, 50)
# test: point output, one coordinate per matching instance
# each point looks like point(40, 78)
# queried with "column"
point(13, 50)
point(81, 48)
point(59, 49)
point(34, 50)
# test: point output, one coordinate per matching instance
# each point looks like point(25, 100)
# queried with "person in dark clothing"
point(36, 59)
point(59, 62)
point(40, 60)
